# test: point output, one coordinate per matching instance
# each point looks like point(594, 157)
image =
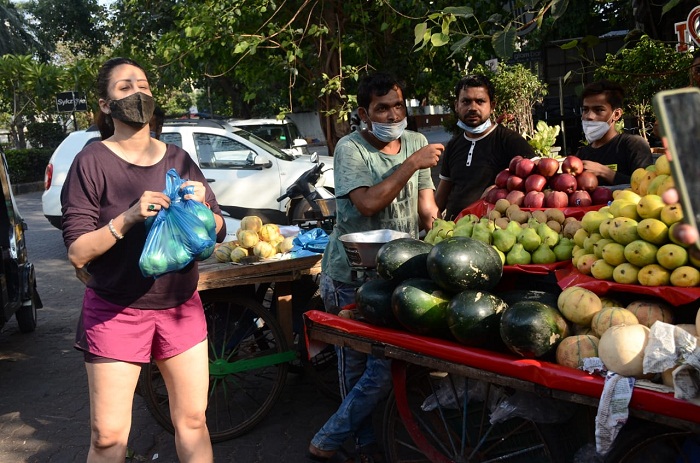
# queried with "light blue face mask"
point(389, 131)
point(475, 130)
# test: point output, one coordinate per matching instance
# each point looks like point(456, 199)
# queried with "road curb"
point(22, 188)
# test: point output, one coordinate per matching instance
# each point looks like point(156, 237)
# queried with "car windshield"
point(263, 144)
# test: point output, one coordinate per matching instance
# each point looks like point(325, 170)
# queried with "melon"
point(403, 258)
point(612, 316)
point(222, 254)
point(474, 317)
point(610, 302)
point(579, 305)
point(251, 222)
point(532, 329)
point(373, 301)
point(621, 349)
point(647, 311)
point(420, 305)
point(460, 263)
point(264, 249)
point(573, 349)
point(581, 329)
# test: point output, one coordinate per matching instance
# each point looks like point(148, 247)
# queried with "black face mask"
point(135, 109)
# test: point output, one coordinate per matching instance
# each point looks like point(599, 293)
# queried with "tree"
point(15, 33)
point(78, 23)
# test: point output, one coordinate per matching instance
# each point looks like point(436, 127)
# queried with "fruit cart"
point(251, 347)
point(462, 432)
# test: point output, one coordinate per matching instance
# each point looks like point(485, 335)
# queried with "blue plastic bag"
point(309, 242)
point(177, 235)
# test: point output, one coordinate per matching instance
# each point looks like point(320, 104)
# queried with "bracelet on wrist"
point(118, 236)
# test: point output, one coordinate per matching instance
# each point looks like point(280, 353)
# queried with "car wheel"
point(26, 317)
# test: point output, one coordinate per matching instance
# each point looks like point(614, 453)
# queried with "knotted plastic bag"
point(309, 242)
point(177, 235)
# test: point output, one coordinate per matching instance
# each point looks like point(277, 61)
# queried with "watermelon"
point(511, 297)
point(460, 263)
point(532, 329)
point(373, 301)
point(420, 305)
point(403, 258)
point(474, 317)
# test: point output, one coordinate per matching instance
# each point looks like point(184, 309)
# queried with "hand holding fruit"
point(684, 233)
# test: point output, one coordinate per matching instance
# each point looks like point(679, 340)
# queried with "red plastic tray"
point(481, 208)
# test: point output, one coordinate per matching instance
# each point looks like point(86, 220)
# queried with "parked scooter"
point(314, 205)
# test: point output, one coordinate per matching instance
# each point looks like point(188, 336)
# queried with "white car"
point(246, 174)
point(283, 134)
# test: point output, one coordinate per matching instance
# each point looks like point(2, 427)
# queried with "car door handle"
point(211, 180)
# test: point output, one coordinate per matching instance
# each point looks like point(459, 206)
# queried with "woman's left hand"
point(199, 191)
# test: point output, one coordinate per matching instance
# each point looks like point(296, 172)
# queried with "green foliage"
point(643, 69)
point(45, 134)
point(27, 165)
point(518, 90)
point(543, 139)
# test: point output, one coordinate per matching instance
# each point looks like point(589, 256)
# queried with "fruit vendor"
point(383, 181)
point(479, 151)
point(610, 155)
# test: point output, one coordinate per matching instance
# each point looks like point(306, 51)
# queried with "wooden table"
point(216, 275)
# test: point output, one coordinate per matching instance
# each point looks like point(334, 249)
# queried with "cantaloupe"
point(222, 254)
point(621, 349)
point(612, 316)
point(572, 350)
point(649, 311)
point(579, 305)
point(580, 329)
point(610, 302)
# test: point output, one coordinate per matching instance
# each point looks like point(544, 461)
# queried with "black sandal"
point(340, 456)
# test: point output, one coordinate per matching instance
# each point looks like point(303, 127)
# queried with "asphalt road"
point(44, 407)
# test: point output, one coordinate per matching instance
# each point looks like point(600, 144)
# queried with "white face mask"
point(595, 130)
point(389, 131)
point(475, 130)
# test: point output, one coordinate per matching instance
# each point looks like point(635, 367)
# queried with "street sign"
point(68, 102)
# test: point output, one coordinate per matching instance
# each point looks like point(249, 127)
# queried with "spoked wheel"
point(248, 362)
point(642, 441)
point(455, 430)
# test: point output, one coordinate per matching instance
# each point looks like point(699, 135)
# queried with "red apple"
point(586, 181)
point(516, 197)
point(557, 199)
point(580, 198)
point(572, 165)
point(515, 183)
point(513, 162)
point(601, 195)
point(547, 166)
point(563, 182)
point(533, 199)
point(494, 194)
point(502, 178)
point(524, 167)
point(535, 182)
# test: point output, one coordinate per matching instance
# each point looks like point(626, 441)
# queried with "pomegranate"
point(564, 182)
point(547, 166)
point(515, 183)
point(580, 198)
point(534, 199)
point(516, 197)
point(502, 178)
point(572, 165)
point(586, 181)
point(535, 182)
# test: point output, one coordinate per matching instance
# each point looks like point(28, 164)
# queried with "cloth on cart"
point(670, 346)
point(613, 410)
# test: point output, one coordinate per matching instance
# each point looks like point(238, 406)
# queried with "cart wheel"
point(26, 317)
point(248, 361)
point(643, 441)
point(459, 434)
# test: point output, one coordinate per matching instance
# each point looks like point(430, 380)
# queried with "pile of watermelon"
point(448, 291)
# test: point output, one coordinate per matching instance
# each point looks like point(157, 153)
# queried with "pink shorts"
point(135, 335)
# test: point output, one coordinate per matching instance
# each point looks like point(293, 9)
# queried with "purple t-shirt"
point(100, 185)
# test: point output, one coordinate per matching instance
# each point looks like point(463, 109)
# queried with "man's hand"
point(428, 156)
point(599, 170)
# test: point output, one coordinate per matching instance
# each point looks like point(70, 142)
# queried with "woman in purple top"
point(112, 187)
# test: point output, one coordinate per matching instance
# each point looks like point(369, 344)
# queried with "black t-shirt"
point(489, 155)
point(623, 154)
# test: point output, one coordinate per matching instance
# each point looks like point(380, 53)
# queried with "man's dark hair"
point(614, 93)
point(476, 80)
point(377, 84)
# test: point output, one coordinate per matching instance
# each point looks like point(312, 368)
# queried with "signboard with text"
point(68, 102)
